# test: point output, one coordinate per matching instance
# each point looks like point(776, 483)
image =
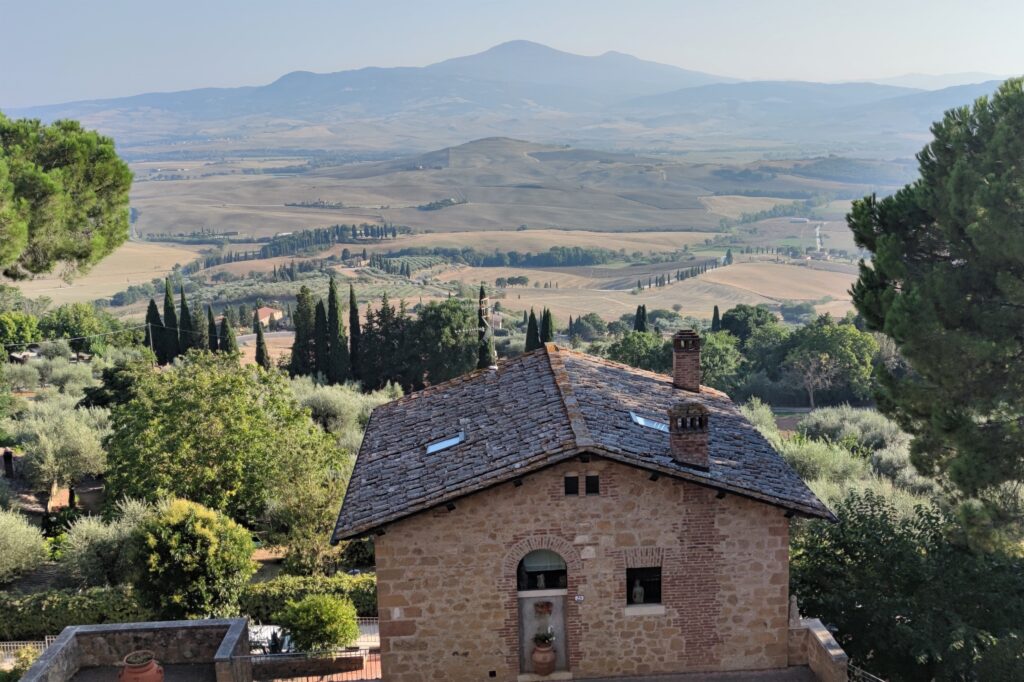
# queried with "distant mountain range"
point(526, 90)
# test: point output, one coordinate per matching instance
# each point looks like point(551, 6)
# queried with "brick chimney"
point(686, 360)
point(688, 434)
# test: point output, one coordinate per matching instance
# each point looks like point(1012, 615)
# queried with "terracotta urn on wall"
point(141, 666)
point(543, 656)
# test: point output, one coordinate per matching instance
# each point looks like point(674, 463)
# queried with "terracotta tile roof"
point(538, 409)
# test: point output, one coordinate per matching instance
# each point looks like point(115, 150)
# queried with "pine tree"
point(338, 366)
point(303, 361)
point(532, 333)
point(716, 321)
point(321, 341)
point(355, 333)
point(262, 356)
point(485, 342)
point(172, 349)
point(547, 327)
point(228, 343)
point(212, 337)
point(186, 336)
point(154, 332)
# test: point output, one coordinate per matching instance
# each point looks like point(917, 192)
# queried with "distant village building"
point(264, 315)
point(636, 521)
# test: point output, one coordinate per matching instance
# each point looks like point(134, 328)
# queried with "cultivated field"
point(579, 291)
point(536, 241)
point(133, 263)
point(734, 206)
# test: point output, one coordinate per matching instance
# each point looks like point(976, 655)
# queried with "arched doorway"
point(542, 581)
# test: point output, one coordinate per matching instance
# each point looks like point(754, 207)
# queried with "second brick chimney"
point(686, 360)
point(688, 423)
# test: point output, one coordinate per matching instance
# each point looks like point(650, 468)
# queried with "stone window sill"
point(645, 610)
point(557, 675)
point(543, 593)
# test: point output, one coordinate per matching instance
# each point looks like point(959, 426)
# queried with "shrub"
point(893, 463)
point(260, 601)
point(55, 349)
point(23, 660)
point(22, 377)
point(822, 460)
point(39, 614)
point(96, 553)
point(319, 622)
point(71, 379)
point(865, 429)
point(22, 547)
point(192, 562)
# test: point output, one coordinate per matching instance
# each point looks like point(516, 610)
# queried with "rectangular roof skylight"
point(439, 445)
point(649, 423)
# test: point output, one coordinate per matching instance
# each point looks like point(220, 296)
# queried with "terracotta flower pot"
point(543, 658)
point(141, 666)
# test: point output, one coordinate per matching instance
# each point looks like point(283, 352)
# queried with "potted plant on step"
point(141, 666)
point(543, 656)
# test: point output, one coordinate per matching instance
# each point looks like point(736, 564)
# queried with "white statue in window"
point(638, 592)
point(540, 581)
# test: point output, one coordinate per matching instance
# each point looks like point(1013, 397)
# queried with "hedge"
point(260, 601)
point(37, 615)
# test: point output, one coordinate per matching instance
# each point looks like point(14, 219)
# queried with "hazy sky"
point(55, 51)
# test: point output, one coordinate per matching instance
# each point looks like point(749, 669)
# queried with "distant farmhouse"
point(565, 517)
point(265, 314)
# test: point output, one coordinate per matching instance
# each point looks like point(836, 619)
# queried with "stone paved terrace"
point(792, 674)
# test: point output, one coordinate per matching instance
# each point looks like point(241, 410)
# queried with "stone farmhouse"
point(561, 516)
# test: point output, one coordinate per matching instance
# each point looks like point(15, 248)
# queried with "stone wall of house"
point(447, 579)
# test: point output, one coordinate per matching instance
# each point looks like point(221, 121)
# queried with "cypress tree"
point(547, 327)
point(640, 324)
point(212, 338)
point(262, 356)
point(338, 364)
point(321, 342)
point(569, 329)
point(154, 331)
point(637, 319)
point(532, 334)
point(355, 333)
point(186, 337)
point(170, 336)
point(485, 342)
point(256, 326)
point(303, 361)
point(716, 321)
point(228, 343)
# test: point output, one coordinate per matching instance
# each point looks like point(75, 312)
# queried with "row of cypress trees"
point(538, 335)
point(321, 344)
point(178, 331)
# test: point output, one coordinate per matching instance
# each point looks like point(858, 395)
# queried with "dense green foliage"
point(946, 283)
point(97, 552)
point(910, 600)
point(260, 601)
point(63, 196)
point(238, 458)
point(21, 546)
point(37, 615)
point(191, 562)
point(319, 622)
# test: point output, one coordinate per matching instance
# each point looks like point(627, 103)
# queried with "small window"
point(572, 485)
point(643, 585)
point(649, 423)
point(439, 445)
point(593, 485)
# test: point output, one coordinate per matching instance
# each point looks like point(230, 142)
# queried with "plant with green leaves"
point(218, 433)
point(22, 547)
point(192, 562)
point(319, 622)
point(63, 197)
point(946, 283)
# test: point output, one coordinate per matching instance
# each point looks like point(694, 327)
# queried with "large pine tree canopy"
point(63, 197)
point(946, 283)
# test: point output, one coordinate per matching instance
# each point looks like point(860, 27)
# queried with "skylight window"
point(649, 423)
point(438, 446)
